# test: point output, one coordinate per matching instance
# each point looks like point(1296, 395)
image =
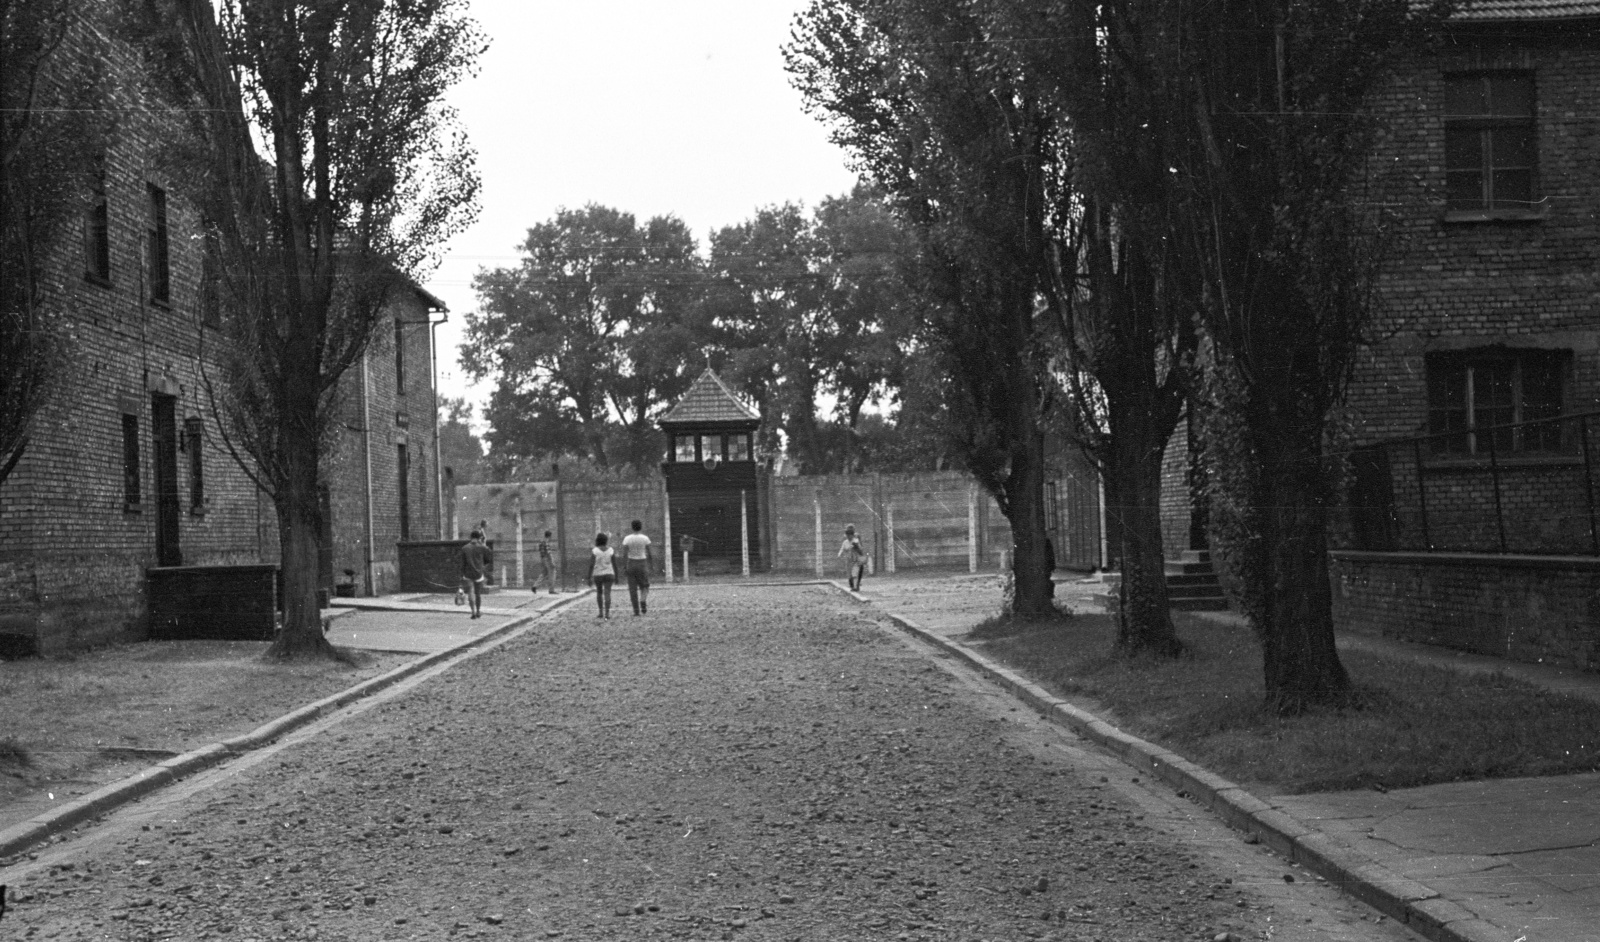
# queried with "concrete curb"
point(1406, 901)
point(19, 838)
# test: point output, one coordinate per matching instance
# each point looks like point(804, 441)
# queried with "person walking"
point(475, 571)
point(547, 566)
point(636, 559)
point(602, 573)
point(854, 556)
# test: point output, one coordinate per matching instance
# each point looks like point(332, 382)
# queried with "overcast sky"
point(646, 106)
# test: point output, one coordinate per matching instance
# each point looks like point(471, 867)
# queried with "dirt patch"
point(75, 723)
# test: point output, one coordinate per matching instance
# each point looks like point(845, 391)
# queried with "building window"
point(97, 231)
point(1052, 506)
point(160, 269)
point(130, 461)
point(193, 440)
point(403, 481)
point(683, 448)
point(1489, 142)
point(710, 447)
point(1478, 401)
point(399, 356)
point(211, 280)
point(739, 447)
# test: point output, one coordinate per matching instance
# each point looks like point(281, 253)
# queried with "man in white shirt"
point(636, 559)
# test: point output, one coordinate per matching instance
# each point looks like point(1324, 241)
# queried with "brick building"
point(127, 469)
point(1473, 424)
point(1475, 454)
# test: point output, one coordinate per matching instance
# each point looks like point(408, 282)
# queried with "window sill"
point(163, 303)
point(132, 507)
point(97, 280)
point(1470, 216)
point(1481, 462)
point(199, 510)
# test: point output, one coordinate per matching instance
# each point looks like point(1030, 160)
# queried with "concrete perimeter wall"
point(938, 520)
point(1526, 608)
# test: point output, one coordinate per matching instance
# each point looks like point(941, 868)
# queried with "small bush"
point(14, 755)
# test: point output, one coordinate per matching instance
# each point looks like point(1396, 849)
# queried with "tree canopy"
point(605, 322)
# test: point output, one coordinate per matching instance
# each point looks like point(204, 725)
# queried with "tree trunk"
point(298, 526)
point(1301, 664)
point(298, 464)
point(1025, 512)
point(1144, 617)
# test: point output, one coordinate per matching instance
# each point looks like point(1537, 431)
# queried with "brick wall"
point(1453, 285)
point(72, 553)
point(1175, 500)
point(1544, 609)
point(381, 414)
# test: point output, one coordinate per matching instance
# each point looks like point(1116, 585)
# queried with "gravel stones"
point(751, 763)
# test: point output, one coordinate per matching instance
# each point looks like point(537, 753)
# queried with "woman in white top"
point(602, 572)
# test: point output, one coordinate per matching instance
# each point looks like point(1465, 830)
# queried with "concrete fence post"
point(888, 527)
point(816, 509)
point(972, 528)
point(744, 534)
point(666, 529)
point(521, 570)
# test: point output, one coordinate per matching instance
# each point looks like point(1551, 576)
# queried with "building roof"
point(709, 400)
point(1480, 11)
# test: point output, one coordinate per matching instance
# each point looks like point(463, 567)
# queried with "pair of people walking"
point(636, 562)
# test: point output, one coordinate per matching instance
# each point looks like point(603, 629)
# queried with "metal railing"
point(1519, 488)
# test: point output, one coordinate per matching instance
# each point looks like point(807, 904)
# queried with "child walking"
point(855, 557)
point(602, 572)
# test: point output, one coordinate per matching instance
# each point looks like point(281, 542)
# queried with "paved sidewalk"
point(413, 624)
point(1506, 860)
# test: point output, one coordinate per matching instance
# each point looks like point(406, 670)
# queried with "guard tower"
point(712, 476)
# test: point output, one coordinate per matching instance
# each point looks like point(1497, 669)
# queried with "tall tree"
point(460, 449)
point(53, 132)
point(1126, 304)
point(869, 324)
point(956, 137)
point(588, 334)
point(1263, 110)
point(366, 175)
point(765, 309)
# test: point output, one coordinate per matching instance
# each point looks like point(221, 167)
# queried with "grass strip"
point(1415, 724)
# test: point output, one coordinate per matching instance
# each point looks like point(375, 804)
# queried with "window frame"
point(399, 357)
point(737, 446)
point(159, 247)
point(402, 472)
point(193, 444)
point(1487, 126)
point(132, 476)
point(1458, 418)
point(97, 230)
point(679, 455)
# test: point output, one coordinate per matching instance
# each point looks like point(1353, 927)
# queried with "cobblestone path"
point(741, 763)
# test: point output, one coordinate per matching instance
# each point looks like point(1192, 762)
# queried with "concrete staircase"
point(1192, 584)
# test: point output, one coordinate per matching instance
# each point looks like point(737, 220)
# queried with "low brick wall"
point(230, 603)
point(1526, 608)
point(435, 565)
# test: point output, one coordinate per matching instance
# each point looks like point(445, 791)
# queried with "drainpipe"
point(366, 440)
point(438, 468)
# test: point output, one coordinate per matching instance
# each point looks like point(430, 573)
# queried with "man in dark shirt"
point(475, 570)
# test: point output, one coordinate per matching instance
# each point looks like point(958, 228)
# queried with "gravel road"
point(741, 763)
